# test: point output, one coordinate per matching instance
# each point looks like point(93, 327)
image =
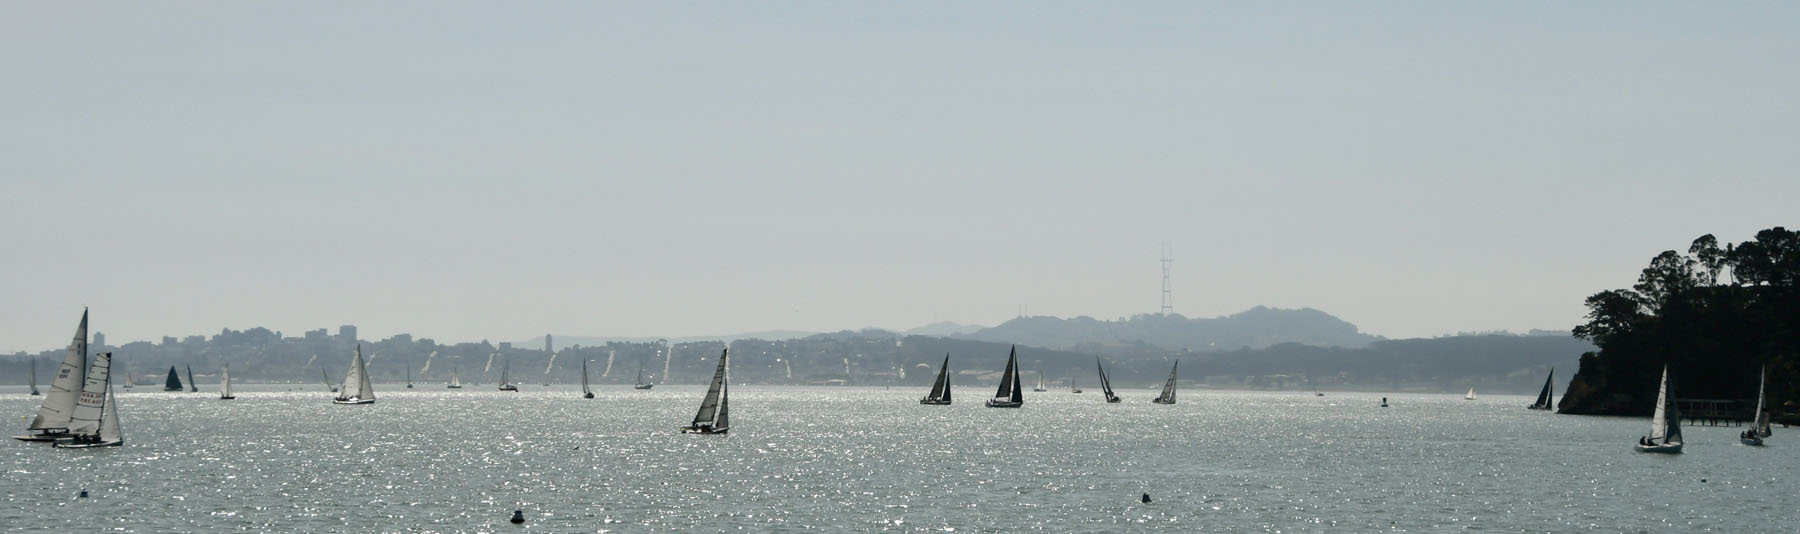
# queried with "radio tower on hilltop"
point(1168, 297)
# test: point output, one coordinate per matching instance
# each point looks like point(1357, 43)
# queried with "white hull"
point(353, 401)
point(41, 437)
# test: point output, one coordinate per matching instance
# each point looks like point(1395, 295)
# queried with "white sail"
point(225, 382)
point(1762, 410)
point(1470, 395)
point(356, 382)
point(1665, 425)
point(506, 372)
point(456, 378)
point(91, 404)
point(59, 403)
point(109, 420)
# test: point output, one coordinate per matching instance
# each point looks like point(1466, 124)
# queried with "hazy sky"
point(502, 170)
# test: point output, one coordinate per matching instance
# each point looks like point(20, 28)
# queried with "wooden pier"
point(1716, 412)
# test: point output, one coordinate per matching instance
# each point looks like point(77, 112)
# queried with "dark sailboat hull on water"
point(940, 388)
point(1543, 399)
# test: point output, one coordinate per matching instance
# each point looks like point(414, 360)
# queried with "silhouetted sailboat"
point(1010, 394)
point(327, 376)
point(34, 389)
point(1040, 387)
point(356, 388)
point(1543, 399)
point(1470, 395)
point(585, 392)
point(95, 421)
point(1168, 392)
point(225, 384)
point(173, 382)
point(940, 389)
point(409, 384)
point(1105, 385)
point(641, 384)
point(455, 379)
point(193, 387)
point(714, 416)
point(1760, 428)
point(52, 419)
point(506, 375)
point(1665, 423)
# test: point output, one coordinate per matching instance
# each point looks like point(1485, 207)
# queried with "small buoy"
point(1146, 498)
point(84, 494)
point(518, 516)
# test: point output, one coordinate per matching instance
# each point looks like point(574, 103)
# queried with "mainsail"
point(173, 383)
point(59, 404)
point(506, 375)
point(714, 415)
point(1168, 392)
point(356, 388)
point(1665, 424)
point(585, 392)
point(940, 389)
point(225, 382)
point(91, 404)
point(34, 389)
point(192, 385)
point(1105, 385)
point(1543, 399)
point(1010, 394)
point(1762, 409)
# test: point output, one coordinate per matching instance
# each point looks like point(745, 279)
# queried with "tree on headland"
point(1714, 337)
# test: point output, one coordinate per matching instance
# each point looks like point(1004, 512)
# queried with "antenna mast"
point(1168, 296)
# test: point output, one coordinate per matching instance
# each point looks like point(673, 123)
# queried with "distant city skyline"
point(499, 172)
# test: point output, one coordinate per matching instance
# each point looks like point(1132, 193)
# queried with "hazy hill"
point(1256, 328)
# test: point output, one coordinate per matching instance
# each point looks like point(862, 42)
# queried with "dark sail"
point(1543, 400)
point(1168, 392)
point(940, 390)
point(1010, 394)
point(191, 384)
point(174, 381)
point(1105, 385)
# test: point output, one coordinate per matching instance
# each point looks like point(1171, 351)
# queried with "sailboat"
point(940, 388)
point(455, 379)
point(1168, 392)
point(409, 384)
point(1665, 423)
point(1543, 399)
point(1072, 387)
point(52, 419)
point(173, 383)
point(225, 384)
point(1010, 394)
point(714, 416)
point(641, 384)
point(585, 393)
point(95, 421)
point(1470, 395)
point(1105, 385)
point(356, 388)
point(193, 387)
point(506, 375)
point(124, 373)
point(34, 389)
point(327, 377)
point(1759, 429)
point(1040, 387)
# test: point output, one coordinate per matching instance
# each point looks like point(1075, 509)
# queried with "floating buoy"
point(84, 494)
point(1146, 498)
point(518, 516)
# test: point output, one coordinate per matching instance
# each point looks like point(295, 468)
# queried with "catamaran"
point(506, 375)
point(1168, 392)
point(455, 379)
point(1760, 429)
point(356, 388)
point(641, 384)
point(585, 392)
point(1105, 385)
point(173, 383)
point(1040, 387)
point(225, 384)
point(1543, 399)
point(52, 419)
point(1010, 394)
point(940, 388)
point(1470, 395)
point(34, 389)
point(95, 421)
point(1665, 424)
point(714, 416)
